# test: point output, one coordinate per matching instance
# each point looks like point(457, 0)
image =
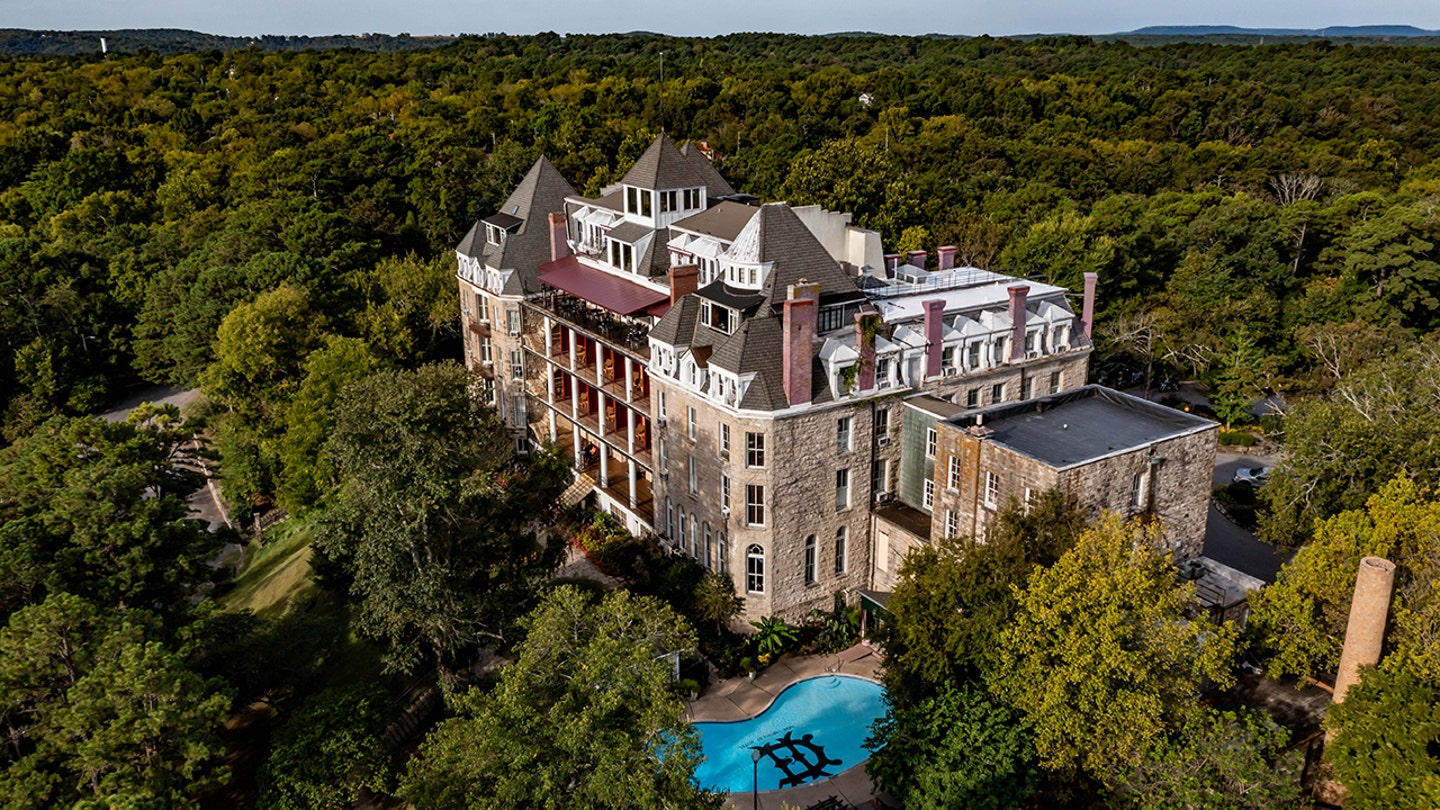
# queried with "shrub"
point(1237, 438)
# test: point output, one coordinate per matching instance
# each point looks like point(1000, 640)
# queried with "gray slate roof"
point(663, 167)
point(715, 185)
point(524, 249)
point(723, 220)
point(798, 256)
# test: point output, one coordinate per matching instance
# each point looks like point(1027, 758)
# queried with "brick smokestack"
point(801, 304)
point(892, 263)
point(559, 247)
point(866, 348)
point(1087, 310)
point(1018, 295)
point(947, 257)
point(1365, 632)
point(934, 336)
point(917, 259)
point(684, 279)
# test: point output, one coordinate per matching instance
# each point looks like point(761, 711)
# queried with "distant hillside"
point(22, 42)
point(1334, 31)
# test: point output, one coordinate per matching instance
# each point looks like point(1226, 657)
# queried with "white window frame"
point(754, 569)
point(842, 549)
point(842, 489)
point(953, 481)
point(755, 450)
point(929, 496)
point(810, 554)
point(694, 476)
point(724, 440)
point(691, 422)
point(992, 490)
point(931, 439)
point(725, 493)
point(952, 523)
point(842, 435)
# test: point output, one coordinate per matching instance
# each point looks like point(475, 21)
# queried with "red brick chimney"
point(866, 348)
point(1018, 294)
point(947, 257)
point(559, 248)
point(892, 262)
point(1087, 311)
point(917, 259)
point(684, 279)
point(934, 336)
point(802, 302)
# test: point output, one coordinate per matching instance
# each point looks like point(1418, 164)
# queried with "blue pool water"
point(815, 729)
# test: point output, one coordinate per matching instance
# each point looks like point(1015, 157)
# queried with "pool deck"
point(740, 698)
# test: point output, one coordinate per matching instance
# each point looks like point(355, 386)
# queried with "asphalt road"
point(1229, 544)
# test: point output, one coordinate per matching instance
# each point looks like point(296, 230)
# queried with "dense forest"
point(275, 228)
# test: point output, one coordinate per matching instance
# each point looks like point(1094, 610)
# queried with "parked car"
point(1254, 476)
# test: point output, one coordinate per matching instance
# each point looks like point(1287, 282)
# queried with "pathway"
point(1229, 544)
point(739, 699)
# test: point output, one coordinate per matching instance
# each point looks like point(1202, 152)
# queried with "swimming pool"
point(815, 729)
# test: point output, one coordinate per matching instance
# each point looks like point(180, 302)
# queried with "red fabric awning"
point(599, 288)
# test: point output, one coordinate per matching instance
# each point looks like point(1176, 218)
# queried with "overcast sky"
point(703, 17)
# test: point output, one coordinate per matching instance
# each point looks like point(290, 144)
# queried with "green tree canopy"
point(99, 509)
point(1300, 620)
point(1100, 658)
point(958, 749)
point(1385, 736)
point(584, 717)
point(434, 521)
point(92, 706)
point(954, 597)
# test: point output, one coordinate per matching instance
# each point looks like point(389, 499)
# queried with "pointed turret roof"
point(524, 216)
point(663, 167)
point(715, 185)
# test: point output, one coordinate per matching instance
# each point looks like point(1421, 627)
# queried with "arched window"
point(694, 535)
point(810, 560)
point(709, 547)
point(842, 544)
point(669, 520)
point(755, 569)
point(722, 553)
point(680, 538)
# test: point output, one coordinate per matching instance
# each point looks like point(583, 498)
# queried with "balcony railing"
point(623, 333)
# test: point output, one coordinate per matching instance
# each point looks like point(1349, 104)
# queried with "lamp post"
point(755, 760)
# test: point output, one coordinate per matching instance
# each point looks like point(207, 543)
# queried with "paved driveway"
point(1227, 543)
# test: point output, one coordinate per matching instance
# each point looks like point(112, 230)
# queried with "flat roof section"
point(935, 406)
point(723, 220)
point(1080, 426)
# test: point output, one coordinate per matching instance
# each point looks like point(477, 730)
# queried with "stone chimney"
point(947, 257)
point(865, 380)
point(559, 247)
point(802, 302)
point(934, 336)
point(917, 259)
point(1087, 311)
point(1365, 632)
point(1019, 293)
point(684, 279)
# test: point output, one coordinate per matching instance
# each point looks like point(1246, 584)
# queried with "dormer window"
point(717, 317)
point(693, 199)
point(637, 201)
point(493, 234)
point(622, 255)
point(667, 201)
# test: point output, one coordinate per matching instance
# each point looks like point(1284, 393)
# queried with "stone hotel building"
point(745, 381)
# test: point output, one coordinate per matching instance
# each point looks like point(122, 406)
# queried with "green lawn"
point(276, 573)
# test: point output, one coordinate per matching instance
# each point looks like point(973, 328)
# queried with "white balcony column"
point(630, 430)
point(579, 449)
point(549, 337)
point(599, 365)
point(600, 411)
point(632, 474)
point(604, 465)
point(629, 378)
point(572, 350)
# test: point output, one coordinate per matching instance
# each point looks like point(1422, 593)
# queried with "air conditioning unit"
point(882, 441)
point(1062, 347)
point(951, 371)
point(660, 421)
point(725, 511)
point(1031, 355)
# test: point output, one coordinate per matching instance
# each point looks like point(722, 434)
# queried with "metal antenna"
point(662, 91)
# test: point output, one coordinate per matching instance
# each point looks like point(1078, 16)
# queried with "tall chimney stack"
point(865, 347)
point(892, 263)
point(917, 259)
point(559, 247)
point(1019, 293)
point(1087, 311)
point(947, 256)
point(798, 322)
point(934, 336)
point(1365, 632)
